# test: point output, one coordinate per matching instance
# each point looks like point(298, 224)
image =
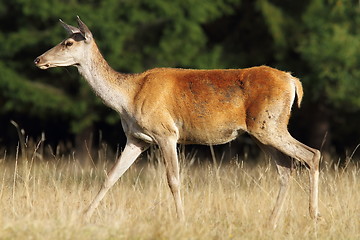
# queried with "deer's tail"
point(298, 90)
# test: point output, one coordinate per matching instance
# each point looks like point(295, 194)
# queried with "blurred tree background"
point(317, 40)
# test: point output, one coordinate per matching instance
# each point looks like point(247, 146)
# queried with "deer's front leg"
point(168, 149)
point(132, 150)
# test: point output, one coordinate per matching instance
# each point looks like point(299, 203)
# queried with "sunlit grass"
point(44, 199)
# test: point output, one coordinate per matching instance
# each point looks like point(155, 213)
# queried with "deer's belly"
point(209, 136)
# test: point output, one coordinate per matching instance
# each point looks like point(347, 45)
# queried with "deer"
point(171, 106)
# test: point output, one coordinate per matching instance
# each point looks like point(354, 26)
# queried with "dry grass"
point(44, 199)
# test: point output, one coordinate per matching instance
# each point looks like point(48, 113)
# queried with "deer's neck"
point(105, 81)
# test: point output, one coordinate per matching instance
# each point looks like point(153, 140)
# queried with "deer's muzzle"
point(39, 63)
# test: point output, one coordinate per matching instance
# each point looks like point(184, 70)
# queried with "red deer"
point(167, 106)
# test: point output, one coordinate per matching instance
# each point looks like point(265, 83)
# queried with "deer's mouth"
point(40, 63)
point(45, 66)
point(51, 65)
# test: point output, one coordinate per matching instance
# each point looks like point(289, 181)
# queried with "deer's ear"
point(69, 29)
point(84, 30)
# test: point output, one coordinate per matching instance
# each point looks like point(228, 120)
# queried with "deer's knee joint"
point(315, 161)
point(284, 180)
point(174, 182)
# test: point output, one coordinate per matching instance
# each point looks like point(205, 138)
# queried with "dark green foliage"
point(333, 52)
point(317, 40)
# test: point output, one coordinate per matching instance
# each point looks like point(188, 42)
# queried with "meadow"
point(43, 198)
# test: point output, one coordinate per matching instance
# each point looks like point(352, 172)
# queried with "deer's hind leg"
point(284, 166)
point(285, 143)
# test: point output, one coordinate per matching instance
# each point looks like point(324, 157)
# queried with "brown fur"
point(212, 106)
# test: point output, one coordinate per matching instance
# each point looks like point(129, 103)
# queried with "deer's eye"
point(68, 44)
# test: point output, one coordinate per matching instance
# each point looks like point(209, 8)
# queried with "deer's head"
point(70, 51)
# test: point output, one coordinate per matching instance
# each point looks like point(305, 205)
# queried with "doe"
point(166, 106)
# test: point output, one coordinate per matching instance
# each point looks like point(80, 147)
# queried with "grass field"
point(44, 199)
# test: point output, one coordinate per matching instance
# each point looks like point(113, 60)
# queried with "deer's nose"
point(37, 61)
